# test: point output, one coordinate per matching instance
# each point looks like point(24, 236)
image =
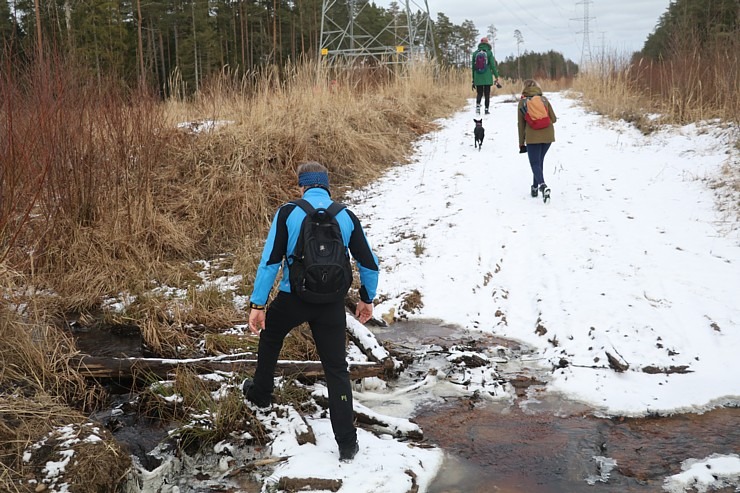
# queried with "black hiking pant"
point(328, 326)
point(483, 91)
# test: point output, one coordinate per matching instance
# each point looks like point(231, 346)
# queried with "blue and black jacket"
point(282, 238)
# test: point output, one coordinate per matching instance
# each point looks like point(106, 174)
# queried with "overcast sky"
point(619, 27)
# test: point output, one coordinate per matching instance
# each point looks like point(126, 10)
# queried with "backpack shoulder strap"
point(335, 208)
point(305, 205)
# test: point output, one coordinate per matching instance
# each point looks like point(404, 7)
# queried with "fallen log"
point(305, 484)
point(615, 364)
point(127, 368)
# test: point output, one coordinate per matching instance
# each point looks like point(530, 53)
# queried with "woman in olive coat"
point(535, 143)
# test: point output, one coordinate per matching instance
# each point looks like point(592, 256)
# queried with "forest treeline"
point(550, 65)
point(693, 25)
point(173, 46)
point(689, 67)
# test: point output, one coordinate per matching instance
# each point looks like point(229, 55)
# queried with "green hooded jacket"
point(529, 135)
point(491, 73)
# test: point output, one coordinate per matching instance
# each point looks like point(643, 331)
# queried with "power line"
point(586, 47)
point(532, 15)
point(345, 41)
point(536, 32)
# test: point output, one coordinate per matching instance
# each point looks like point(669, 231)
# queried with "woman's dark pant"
point(483, 91)
point(329, 328)
point(536, 154)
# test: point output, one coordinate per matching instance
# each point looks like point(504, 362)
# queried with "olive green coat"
point(528, 135)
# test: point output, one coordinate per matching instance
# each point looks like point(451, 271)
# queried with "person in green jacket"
point(484, 71)
point(536, 142)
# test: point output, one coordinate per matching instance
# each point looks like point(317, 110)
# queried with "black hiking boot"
point(348, 452)
point(251, 394)
point(533, 191)
point(545, 192)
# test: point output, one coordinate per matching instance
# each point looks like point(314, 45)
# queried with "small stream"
point(508, 450)
point(537, 443)
point(548, 444)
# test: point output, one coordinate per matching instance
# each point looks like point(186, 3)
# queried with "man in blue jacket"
point(326, 320)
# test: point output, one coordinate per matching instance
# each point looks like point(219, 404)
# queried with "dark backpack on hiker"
point(481, 61)
point(320, 271)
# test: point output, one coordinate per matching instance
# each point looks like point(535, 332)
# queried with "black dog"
point(479, 132)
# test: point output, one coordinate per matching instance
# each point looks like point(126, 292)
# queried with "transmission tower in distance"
point(586, 58)
point(408, 37)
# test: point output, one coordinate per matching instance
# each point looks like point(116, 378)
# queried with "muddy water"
point(542, 445)
point(118, 341)
point(556, 446)
point(511, 451)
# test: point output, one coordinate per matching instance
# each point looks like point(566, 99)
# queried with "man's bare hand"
point(364, 311)
point(256, 321)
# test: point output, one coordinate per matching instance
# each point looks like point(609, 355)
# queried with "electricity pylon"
point(408, 37)
point(586, 58)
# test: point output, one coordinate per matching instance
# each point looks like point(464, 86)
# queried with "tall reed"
point(103, 193)
point(695, 81)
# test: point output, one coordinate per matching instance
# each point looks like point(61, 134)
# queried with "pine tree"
point(700, 22)
point(99, 38)
point(8, 28)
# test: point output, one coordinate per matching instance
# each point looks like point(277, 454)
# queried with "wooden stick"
point(104, 367)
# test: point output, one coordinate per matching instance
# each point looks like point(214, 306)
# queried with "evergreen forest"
point(173, 46)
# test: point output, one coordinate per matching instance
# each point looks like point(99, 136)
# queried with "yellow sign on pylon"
point(324, 51)
point(399, 49)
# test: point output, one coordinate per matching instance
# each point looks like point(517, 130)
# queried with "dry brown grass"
point(203, 420)
point(299, 345)
point(693, 83)
point(35, 358)
point(42, 427)
point(103, 195)
point(126, 199)
point(611, 91)
point(39, 392)
point(218, 344)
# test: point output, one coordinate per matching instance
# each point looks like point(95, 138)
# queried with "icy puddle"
point(540, 443)
point(523, 440)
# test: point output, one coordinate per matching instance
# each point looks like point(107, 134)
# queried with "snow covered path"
point(629, 258)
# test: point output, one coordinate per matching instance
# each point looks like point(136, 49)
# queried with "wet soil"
point(542, 443)
point(118, 341)
point(539, 443)
point(510, 450)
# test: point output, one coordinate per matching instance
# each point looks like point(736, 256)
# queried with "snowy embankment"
point(627, 280)
point(626, 284)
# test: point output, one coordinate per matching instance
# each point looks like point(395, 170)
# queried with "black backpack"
point(320, 271)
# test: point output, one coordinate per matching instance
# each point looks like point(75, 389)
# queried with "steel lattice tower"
point(586, 47)
point(408, 37)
